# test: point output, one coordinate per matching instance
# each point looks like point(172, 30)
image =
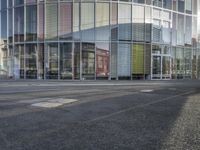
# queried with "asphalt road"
point(105, 115)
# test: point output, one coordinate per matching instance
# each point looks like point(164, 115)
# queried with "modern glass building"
point(100, 39)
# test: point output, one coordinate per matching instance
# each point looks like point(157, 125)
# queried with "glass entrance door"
point(156, 66)
point(161, 67)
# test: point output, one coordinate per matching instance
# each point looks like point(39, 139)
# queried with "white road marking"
point(51, 103)
point(146, 91)
point(137, 106)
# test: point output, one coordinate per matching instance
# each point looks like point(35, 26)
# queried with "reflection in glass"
point(124, 18)
point(10, 25)
point(19, 24)
point(40, 22)
point(88, 60)
point(180, 66)
point(102, 21)
point(76, 61)
point(114, 60)
point(87, 21)
point(31, 23)
point(3, 61)
point(65, 21)
point(156, 67)
point(66, 60)
point(114, 21)
point(138, 23)
point(102, 60)
point(124, 69)
point(52, 62)
point(40, 61)
point(51, 21)
point(31, 61)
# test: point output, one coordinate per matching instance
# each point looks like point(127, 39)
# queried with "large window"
point(19, 24)
point(65, 21)
point(123, 64)
point(124, 16)
point(76, 21)
point(31, 61)
point(66, 61)
point(114, 21)
point(31, 23)
point(102, 60)
point(51, 21)
point(40, 22)
point(10, 25)
point(102, 21)
point(138, 23)
point(180, 30)
point(87, 21)
point(88, 61)
point(51, 61)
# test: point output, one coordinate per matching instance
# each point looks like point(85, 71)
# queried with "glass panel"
point(194, 32)
point(124, 16)
point(166, 32)
point(188, 6)
point(165, 67)
point(194, 64)
point(10, 25)
point(173, 62)
point(174, 30)
point(138, 23)
point(181, 5)
point(87, 21)
point(3, 61)
point(31, 61)
point(19, 62)
point(19, 24)
point(102, 60)
point(31, 23)
point(124, 69)
point(31, 1)
point(51, 22)
point(18, 2)
point(41, 61)
point(156, 67)
point(76, 60)
point(4, 27)
point(188, 30)
point(174, 5)
point(180, 66)
point(88, 61)
point(65, 30)
point(156, 49)
point(148, 24)
point(10, 3)
point(194, 7)
point(41, 22)
point(52, 62)
point(147, 61)
point(138, 61)
point(139, 1)
point(113, 60)
point(157, 3)
point(76, 21)
point(188, 62)
point(66, 60)
point(114, 20)
point(180, 30)
point(102, 21)
point(167, 4)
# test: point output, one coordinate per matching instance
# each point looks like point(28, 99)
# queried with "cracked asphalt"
point(108, 115)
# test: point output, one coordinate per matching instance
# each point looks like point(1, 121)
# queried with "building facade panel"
point(87, 39)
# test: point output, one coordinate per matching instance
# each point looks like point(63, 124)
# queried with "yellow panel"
point(138, 59)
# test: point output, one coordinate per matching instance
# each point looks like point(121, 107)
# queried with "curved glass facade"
point(99, 39)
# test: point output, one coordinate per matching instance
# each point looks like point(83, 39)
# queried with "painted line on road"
point(135, 107)
point(52, 103)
